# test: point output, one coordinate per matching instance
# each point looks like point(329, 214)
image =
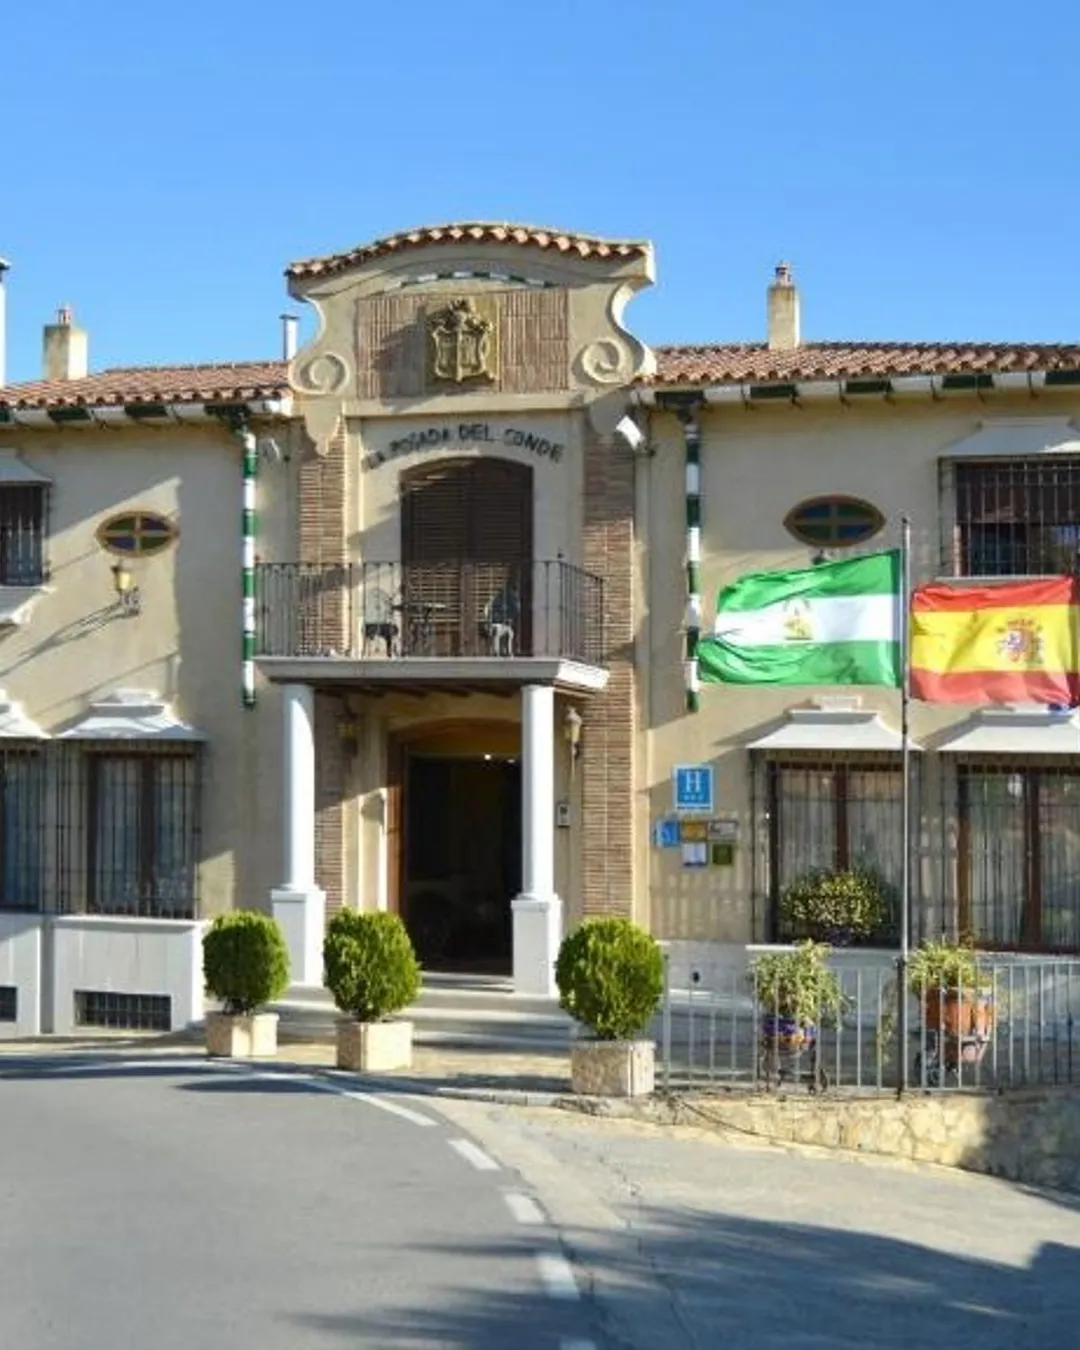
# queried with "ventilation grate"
point(126, 1012)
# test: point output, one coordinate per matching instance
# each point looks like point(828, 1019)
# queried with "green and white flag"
point(836, 623)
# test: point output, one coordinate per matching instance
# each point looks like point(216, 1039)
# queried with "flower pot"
point(613, 1068)
point(786, 1034)
point(959, 1015)
point(373, 1047)
point(241, 1035)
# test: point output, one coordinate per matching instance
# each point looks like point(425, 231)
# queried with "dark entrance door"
point(462, 859)
point(466, 550)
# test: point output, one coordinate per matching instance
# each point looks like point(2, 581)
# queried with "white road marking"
point(368, 1098)
point(557, 1276)
point(574, 1344)
point(472, 1154)
point(524, 1208)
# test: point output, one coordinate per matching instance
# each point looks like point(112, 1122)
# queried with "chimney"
point(4, 267)
point(66, 348)
point(289, 324)
point(783, 311)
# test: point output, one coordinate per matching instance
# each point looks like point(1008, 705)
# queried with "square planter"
point(240, 1036)
point(374, 1047)
point(613, 1068)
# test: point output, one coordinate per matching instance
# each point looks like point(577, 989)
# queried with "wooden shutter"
point(466, 535)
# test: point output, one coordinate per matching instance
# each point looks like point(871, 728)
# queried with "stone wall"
point(1030, 1137)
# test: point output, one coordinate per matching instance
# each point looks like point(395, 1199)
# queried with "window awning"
point(14, 723)
point(832, 725)
point(15, 470)
point(133, 715)
point(1016, 730)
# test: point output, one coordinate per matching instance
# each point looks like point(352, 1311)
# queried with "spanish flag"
point(1014, 643)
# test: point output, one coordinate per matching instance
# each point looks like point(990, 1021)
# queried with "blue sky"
point(917, 164)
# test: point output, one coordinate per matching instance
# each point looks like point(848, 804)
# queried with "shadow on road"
point(758, 1286)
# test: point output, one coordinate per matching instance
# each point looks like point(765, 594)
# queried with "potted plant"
point(372, 972)
point(796, 993)
point(838, 906)
point(246, 966)
point(610, 976)
point(956, 995)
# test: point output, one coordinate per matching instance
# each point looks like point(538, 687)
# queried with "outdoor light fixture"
point(572, 724)
point(127, 593)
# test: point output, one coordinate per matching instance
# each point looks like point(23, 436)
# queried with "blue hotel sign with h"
point(694, 789)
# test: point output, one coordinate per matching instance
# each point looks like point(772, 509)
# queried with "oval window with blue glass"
point(137, 534)
point(833, 522)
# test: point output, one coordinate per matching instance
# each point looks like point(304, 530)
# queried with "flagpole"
point(905, 798)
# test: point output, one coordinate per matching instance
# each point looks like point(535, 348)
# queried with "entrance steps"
point(465, 1011)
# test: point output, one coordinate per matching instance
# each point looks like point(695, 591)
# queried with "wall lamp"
point(572, 725)
point(128, 598)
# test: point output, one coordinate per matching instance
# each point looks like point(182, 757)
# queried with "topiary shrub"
point(245, 960)
point(838, 906)
point(370, 966)
point(610, 975)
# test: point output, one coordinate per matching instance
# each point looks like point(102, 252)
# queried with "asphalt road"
point(168, 1207)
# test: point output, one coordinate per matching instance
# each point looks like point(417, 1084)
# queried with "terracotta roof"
point(754, 363)
point(225, 383)
point(479, 232)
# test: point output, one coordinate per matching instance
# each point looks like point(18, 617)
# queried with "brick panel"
point(534, 338)
point(330, 785)
point(608, 762)
point(323, 529)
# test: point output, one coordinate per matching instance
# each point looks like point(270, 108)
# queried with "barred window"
point(831, 815)
point(22, 820)
point(1016, 517)
point(22, 534)
point(142, 834)
point(1018, 850)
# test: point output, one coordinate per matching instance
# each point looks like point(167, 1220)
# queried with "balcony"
point(395, 612)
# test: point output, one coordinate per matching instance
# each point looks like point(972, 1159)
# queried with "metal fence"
point(1018, 1026)
point(390, 610)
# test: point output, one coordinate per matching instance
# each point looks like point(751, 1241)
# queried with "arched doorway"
point(456, 798)
point(466, 551)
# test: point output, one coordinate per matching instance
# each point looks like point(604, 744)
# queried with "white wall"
point(129, 956)
point(20, 965)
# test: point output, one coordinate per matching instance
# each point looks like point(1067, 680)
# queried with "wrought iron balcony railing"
point(389, 610)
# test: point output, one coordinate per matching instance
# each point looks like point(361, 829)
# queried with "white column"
point(537, 911)
point(298, 904)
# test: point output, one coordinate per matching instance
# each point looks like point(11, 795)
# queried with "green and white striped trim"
point(865, 387)
point(128, 414)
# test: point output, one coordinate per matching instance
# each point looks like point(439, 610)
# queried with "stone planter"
point(373, 1047)
point(613, 1068)
point(241, 1036)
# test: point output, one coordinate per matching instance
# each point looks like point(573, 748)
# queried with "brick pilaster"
point(326, 617)
point(608, 762)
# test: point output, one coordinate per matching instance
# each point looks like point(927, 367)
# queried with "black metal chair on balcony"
point(502, 615)
point(380, 620)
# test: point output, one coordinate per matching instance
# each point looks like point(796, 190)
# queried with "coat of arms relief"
point(463, 342)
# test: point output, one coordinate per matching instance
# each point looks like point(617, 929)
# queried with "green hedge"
point(610, 975)
point(245, 960)
point(371, 968)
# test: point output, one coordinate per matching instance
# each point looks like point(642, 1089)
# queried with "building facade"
point(406, 620)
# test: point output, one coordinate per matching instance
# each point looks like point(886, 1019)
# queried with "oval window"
point(833, 522)
point(137, 534)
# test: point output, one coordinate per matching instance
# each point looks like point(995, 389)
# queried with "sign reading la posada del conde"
point(467, 433)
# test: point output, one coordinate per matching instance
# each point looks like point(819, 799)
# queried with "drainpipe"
point(248, 528)
point(692, 438)
point(4, 267)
